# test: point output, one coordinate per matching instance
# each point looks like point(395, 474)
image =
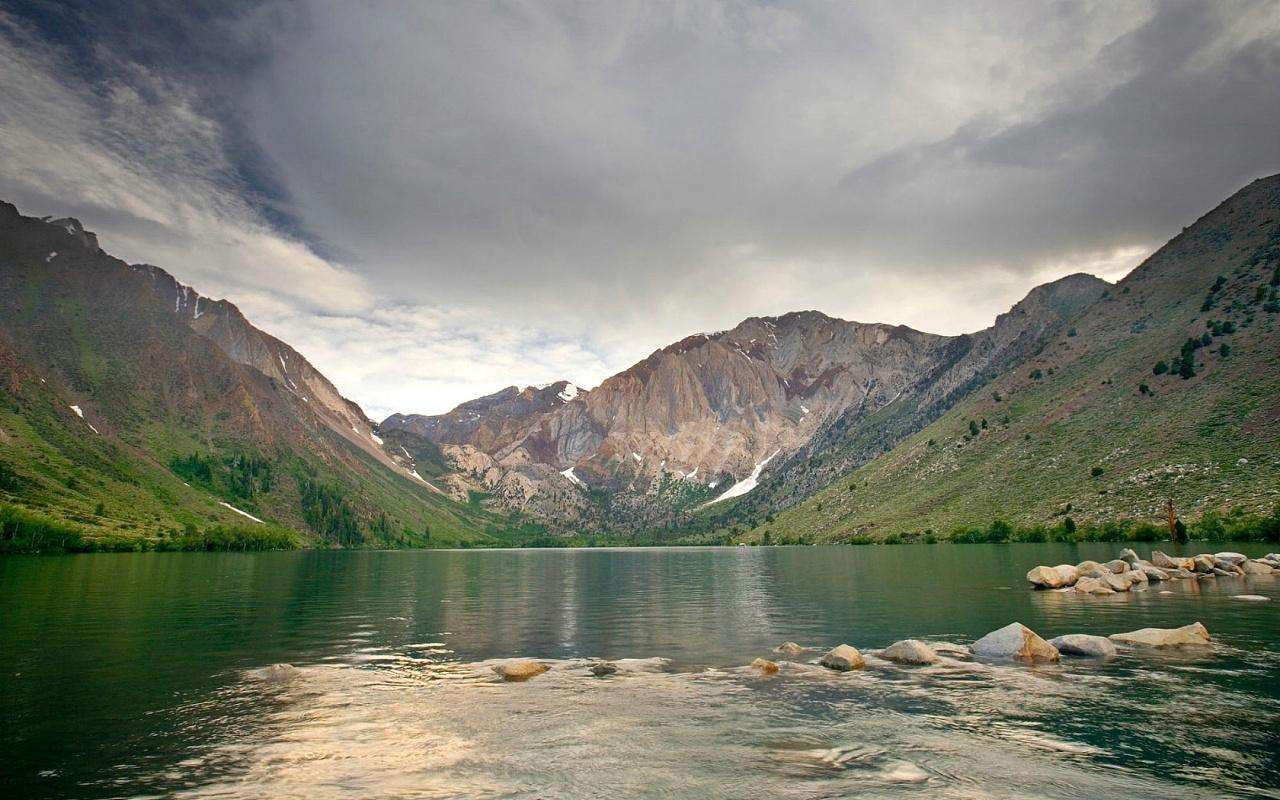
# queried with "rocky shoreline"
point(1129, 571)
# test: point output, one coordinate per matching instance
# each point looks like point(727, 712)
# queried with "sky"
point(432, 201)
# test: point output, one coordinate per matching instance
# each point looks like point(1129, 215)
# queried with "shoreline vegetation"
point(26, 531)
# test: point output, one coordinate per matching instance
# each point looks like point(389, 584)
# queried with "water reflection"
point(136, 674)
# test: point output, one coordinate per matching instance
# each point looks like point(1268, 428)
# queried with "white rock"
point(1252, 598)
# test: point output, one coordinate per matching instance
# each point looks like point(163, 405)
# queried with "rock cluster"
point(1128, 571)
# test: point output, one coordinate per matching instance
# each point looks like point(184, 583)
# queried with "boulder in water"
point(1167, 562)
point(1252, 567)
point(1082, 644)
point(1015, 641)
point(601, 669)
point(1129, 557)
point(1093, 586)
point(1154, 573)
point(1117, 565)
point(1203, 564)
point(520, 669)
point(1193, 634)
point(789, 648)
point(1231, 558)
point(1053, 577)
point(765, 665)
point(843, 658)
point(910, 651)
point(1252, 598)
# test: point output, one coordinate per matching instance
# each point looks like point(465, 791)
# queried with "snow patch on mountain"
point(568, 473)
point(241, 513)
point(745, 485)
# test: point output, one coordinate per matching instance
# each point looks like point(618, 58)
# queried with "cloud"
point(433, 201)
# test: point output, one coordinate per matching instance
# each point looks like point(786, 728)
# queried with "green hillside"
point(1095, 426)
point(121, 427)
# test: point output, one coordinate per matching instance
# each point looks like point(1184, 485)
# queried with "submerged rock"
point(1082, 644)
point(1193, 634)
point(1015, 641)
point(843, 658)
point(280, 673)
point(790, 649)
point(910, 651)
point(520, 669)
point(1252, 598)
point(765, 665)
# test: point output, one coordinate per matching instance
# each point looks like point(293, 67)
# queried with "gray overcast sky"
point(435, 200)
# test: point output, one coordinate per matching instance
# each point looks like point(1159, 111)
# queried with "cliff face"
point(708, 410)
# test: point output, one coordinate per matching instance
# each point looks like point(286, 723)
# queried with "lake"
point(130, 675)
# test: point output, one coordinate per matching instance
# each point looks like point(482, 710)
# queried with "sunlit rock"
point(1193, 634)
point(1015, 641)
point(1252, 598)
point(1082, 644)
point(520, 669)
point(765, 665)
point(910, 651)
point(789, 648)
point(843, 658)
point(1252, 567)
point(1093, 586)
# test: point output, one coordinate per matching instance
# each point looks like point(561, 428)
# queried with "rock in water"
point(602, 669)
point(1082, 644)
point(1253, 598)
point(910, 651)
point(1093, 586)
point(1231, 558)
point(789, 648)
point(1166, 562)
point(1129, 557)
point(1051, 577)
point(1117, 566)
point(1252, 567)
point(520, 669)
point(765, 665)
point(1015, 641)
point(843, 658)
point(1193, 634)
point(1154, 573)
point(280, 673)
point(1203, 564)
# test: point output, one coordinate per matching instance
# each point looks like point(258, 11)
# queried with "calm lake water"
point(143, 675)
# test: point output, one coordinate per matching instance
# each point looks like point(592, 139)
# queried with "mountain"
point(135, 407)
point(1166, 387)
point(702, 418)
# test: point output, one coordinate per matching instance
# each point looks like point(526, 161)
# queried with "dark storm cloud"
point(435, 200)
